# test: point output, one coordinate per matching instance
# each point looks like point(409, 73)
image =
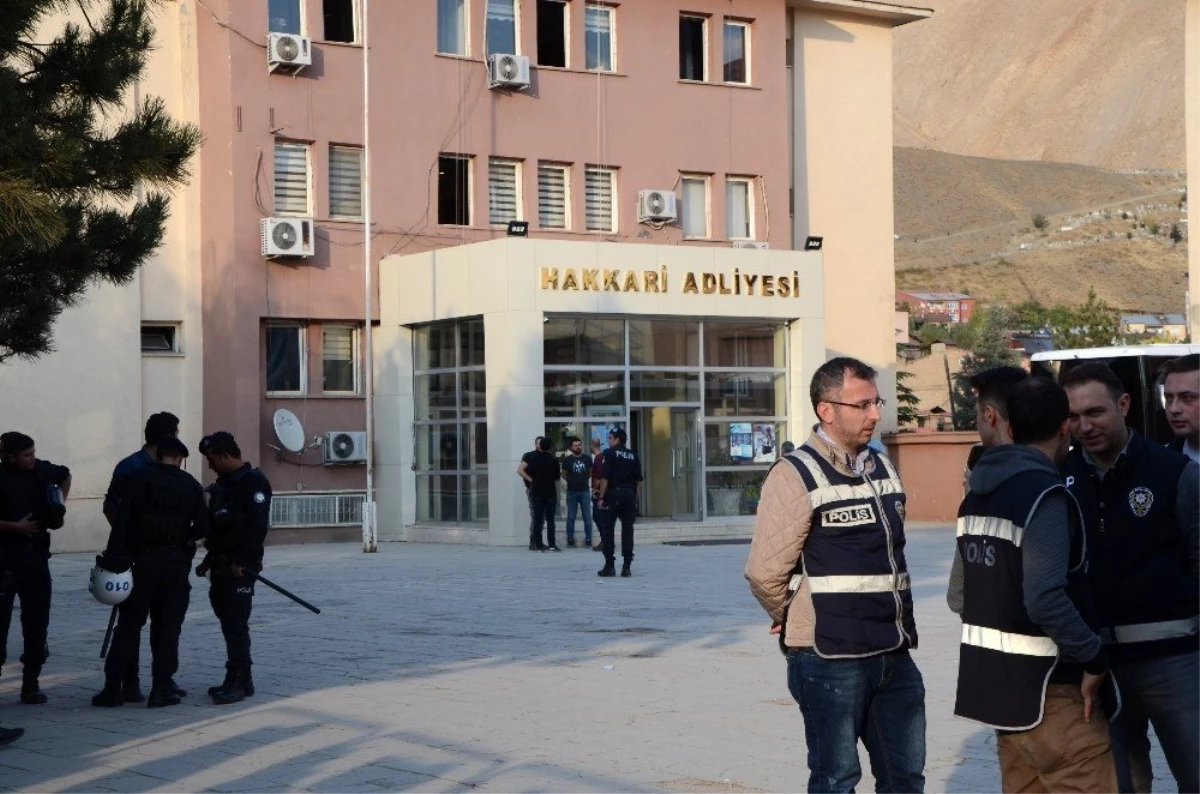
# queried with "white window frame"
point(470, 161)
point(748, 39)
point(301, 329)
point(748, 181)
point(355, 357)
point(361, 160)
point(704, 39)
point(706, 180)
point(612, 36)
point(565, 169)
point(516, 30)
point(176, 343)
point(300, 14)
point(308, 187)
point(518, 192)
point(466, 27)
point(615, 198)
point(356, 22)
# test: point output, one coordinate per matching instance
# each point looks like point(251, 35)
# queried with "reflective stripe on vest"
point(880, 583)
point(1149, 632)
point(1008, 642)
point(992, 527)
point(827, 492)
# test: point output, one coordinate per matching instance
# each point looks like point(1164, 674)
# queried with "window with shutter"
point(739, 208)
point(695, 206)
point(504, 197)
point(291, 178)
point(339, 344)
point(553, 199)
point(345, 182)
point(599, 189)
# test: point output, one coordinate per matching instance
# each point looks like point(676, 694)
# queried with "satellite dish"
point(289, 431)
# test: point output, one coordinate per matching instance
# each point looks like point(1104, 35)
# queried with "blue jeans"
point(879, 700)
point(584, 500)
point(1164, 692)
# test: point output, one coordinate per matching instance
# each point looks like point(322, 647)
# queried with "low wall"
point(931, 466)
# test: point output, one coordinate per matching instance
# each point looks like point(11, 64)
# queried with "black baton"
point(281, 591)
point(112, 619)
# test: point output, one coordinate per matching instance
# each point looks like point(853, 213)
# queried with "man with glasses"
point(1181, 399)
point(827, 564)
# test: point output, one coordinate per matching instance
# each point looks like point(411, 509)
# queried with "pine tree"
point(83, 178)
point(1094, 324)
point(989, 348)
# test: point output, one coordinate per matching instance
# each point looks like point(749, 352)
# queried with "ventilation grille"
point(317, 509)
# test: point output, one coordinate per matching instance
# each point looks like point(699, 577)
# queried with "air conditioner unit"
point(287, 237)
point(288, 52)
point(345, 446)
point(760, 245)
point(508, 71)
point(657, 205)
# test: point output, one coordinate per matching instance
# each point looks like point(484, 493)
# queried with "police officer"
point(160, 517)
point(159, 425)
point(239, 516)
point(1142, 519)
point(31, 501)
point(618, 493)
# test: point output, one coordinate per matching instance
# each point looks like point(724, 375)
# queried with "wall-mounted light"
point(813, 243)
point(518, 228)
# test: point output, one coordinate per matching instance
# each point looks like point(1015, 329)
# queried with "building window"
point(291, 178)
point(739, 208)
point(341, 18)
point(599, 37)
point(283, 16)
point(695, 206)
point(504, 191)
point(737, 52)
point(693, 48)
point(553, 33)
point(599, 196)
point(286, 365)
point(500, 32)
point(554, 196)
point(339, 358)
point(345, 182)
point(452, 27)
point(160, 338)
point(454, 190)
point(450, 391)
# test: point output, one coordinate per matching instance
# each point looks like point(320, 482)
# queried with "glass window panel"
point(474, 394)
point(474, 497)
point(438, 447)
point(454, 190)
point(742, 443)
point(664, 343)
point(691, 48)
point(339, 347)
point(737, 35)
point(583, 342)
point(657, 387)
point(474, 435)
point(733, 493)
point(695, 207)
point(744, 394)
point(585, 393)
point(285, 346)
point(437, 497)
point(291, 178)
point(552, 33)
point(471, 342)
point(599, 186)
point(598, 37)
point(283, 16)
point(553, 203)
point(451, 27)
point(744, 344)
point(345, 181)
point(737, 209)
point(339, 20)
point(435, 396)
point(435, 346)
point(504, 203)
point(500, 34)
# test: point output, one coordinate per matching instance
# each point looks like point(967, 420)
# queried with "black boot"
point(110, 697)
point(131, 690)
point(161, 695)
point(31, 693)
point(625, 570)
point(175, 688)
point(10, 735)
point(607, 570)
point(229, 676)
point(234, 692)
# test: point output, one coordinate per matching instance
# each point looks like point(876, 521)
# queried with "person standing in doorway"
point(577, 471)
point(619, 489)
point(1181, 399)
point(541, 473)
point(535, 541)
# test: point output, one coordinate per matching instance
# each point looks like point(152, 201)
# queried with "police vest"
point(1005, 660)
point(854, 558)
point(165, 500)
point(1146, 594)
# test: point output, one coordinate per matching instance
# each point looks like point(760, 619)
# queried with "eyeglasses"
point(865, 405)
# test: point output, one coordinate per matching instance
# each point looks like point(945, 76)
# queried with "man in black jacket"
point(1181, 400)
point(160, 517)
point(239, 516)
point(541, 473)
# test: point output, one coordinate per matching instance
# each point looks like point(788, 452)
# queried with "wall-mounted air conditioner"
point(508, 71)
point(287, 237)
point(659, 206)
point(287, 52)
point(760, 245)
point(345, 446)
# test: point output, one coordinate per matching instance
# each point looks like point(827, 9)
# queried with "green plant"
point(989, 348)
point(1176, 235)
point(1039, 221)
point(908, 405)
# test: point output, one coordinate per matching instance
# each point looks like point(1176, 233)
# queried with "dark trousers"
point(620, 505)
point(541, 511)
point(161, 592)
point(232, 599)
point(29, 580)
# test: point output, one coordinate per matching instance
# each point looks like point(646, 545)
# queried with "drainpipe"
point(370, 534)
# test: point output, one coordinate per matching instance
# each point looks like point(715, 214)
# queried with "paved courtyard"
point(444, 668)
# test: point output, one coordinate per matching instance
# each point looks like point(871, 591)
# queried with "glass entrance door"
point(685, 464)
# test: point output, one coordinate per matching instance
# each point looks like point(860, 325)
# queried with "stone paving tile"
point(453, 668)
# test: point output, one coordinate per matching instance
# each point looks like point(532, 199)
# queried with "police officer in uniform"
point(1141, 512)
point(160, 518)
point(239, 516)
point(618, 493)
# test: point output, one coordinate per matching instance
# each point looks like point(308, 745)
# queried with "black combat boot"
point(161, 695)
point(176, 688)
point(625, 570)
point(31, 693)
point(247, 684)
point(608, 570)
point(235, 691)
point(131, 690)
point(110, 697)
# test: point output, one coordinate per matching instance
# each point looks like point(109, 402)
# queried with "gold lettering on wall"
point(569, 281)
point(689, 284)
point(631, 282)
point(610, 281)
point(656, 281)
point(549, 278)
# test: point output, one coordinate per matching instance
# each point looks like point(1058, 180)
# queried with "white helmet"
point(111, 587)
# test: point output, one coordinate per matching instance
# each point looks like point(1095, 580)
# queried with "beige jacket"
point(784, 518)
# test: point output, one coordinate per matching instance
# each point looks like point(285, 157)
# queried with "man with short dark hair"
point(541, 473)
point(535, 532)
point(1181, 399)
point(618, 493)
point(1141, 507)
point(577, 471)
point(827, 565)
point(32, 496)
point(1031, 663)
